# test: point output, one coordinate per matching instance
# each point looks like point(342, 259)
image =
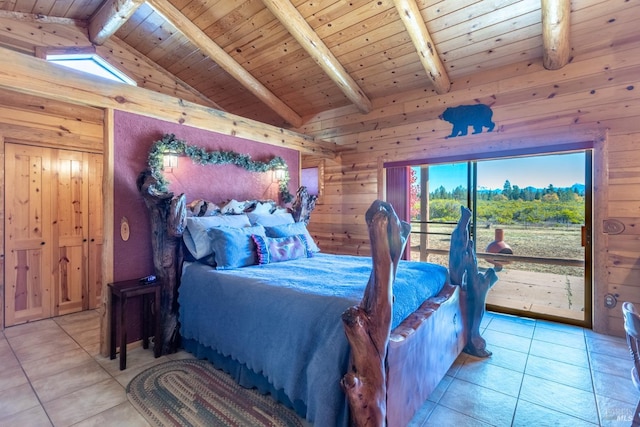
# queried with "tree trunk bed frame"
point(391, 373)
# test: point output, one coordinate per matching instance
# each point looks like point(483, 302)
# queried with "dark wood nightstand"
point(120, 292)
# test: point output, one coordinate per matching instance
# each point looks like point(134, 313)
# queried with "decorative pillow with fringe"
point(285, 230)
point(280, 249)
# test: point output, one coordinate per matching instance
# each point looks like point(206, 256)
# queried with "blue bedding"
point(283, 320)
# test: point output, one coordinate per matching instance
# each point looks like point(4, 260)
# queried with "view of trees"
point(511, 205)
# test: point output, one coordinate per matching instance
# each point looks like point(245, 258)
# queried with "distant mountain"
point(578, 188)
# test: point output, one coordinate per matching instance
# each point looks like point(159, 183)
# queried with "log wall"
point(593, 100)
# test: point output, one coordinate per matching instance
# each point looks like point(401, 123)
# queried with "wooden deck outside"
point(537, 293)
point(542, 293)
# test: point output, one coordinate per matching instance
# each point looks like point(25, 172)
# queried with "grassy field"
point(539, 241)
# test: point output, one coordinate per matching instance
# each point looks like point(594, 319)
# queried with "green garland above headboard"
point(170, 144)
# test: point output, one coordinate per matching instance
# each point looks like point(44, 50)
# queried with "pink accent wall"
point(134, 136)
point(309, 178)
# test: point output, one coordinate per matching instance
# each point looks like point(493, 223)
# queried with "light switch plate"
point(610, 300)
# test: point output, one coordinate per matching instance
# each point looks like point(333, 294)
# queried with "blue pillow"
point(285, 230)
point(277, 249)
point(196, 237)
point(233, 247)
point(270, 220)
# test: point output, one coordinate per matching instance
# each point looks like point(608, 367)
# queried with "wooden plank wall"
point(623, 204)
point(50, 123)
point(594, 98)
point(46, 123)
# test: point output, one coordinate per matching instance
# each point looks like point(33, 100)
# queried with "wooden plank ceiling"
point(283, 61)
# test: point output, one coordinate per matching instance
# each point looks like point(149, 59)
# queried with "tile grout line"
point(593, 382)
point(111, 376)
point(20, 363)
point(524, 370)
point(28, 382)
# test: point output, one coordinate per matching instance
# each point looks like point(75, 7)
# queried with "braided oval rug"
point(193, 393)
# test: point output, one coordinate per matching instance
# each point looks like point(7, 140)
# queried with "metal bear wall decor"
point(461, 117)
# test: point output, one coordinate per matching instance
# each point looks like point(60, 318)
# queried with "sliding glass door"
point(531, 223)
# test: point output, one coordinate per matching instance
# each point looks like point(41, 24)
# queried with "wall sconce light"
point(170, 160)
point(279, 173)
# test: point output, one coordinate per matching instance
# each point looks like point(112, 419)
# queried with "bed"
point(341, 339)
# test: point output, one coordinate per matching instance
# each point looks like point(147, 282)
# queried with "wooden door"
point(28, 234)
point(54, 235)
point(70, 230)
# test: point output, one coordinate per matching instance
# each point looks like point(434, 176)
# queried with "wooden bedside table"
point(120, 292)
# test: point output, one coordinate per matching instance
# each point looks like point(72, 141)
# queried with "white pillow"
point(269, 220)
point(262, 208)
point(195, 235)
point(233, 207)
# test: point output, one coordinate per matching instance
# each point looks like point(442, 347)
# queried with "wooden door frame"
point(108, 227)
point(2, 254)
point(588, 273)
point(599, 238)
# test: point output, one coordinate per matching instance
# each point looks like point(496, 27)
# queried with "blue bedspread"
point(283, 320)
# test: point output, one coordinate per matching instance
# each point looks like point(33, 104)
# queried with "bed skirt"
point(242, 374)
point(421, 350)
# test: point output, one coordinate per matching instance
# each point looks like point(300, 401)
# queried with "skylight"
point(92, 64)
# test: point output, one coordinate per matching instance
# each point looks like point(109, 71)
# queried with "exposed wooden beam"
point(224, 60)
point(556, 23)
point(110, 17)
point(417, 29)
point(22, 31)
point(40, 19)
point(25, 74)
point(298, 27)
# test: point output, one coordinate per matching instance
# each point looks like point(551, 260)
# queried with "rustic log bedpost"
point(463, 270)
point(303, 205)
point(168, 220)
point(368, 325)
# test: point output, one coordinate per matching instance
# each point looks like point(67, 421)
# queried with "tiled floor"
point(540, 374)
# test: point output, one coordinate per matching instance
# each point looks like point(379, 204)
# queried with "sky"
point(560, 170)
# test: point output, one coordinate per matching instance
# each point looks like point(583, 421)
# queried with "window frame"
point(84, 53)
